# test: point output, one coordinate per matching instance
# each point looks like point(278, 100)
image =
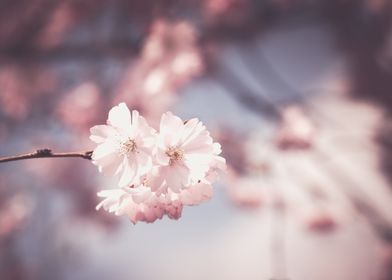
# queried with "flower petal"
point(120, 117)
point(100, 133)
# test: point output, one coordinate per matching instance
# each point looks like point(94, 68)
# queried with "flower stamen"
point(128, 146)
point(175, 154)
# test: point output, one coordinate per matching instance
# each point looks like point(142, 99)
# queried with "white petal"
point(176, 177)
point(120, 117)
point(107, 159)
point(141, 194)
point(161, 158)
point(170, 129)
point(199, 147)
point(144, 161)
point(128, 172)
point(100, 133)
point(192, 129)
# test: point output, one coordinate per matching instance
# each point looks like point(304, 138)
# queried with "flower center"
point(127, 146)
point(175, 154)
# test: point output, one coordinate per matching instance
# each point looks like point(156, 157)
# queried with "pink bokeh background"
point(298, 93)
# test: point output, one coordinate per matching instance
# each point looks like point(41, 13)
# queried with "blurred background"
point(298, 92)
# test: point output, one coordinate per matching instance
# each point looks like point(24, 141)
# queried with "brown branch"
point(47, 153)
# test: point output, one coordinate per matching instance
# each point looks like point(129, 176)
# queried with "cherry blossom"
point(185, 152)
point(124, 145)
point(160, 171)
point(142, 204)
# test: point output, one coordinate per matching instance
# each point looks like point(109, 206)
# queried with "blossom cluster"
point(159, 171)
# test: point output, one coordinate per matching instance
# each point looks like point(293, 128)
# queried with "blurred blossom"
point(155, 81)
point(169, 59)
point(385, 253)
point(227, 12)
point(59, 23)
point(376, 6)
point(21, 86)
point(81, 106)
point(296, 130)
point(247, 192)
point(321, 221)
point(232, 149)
point(14, 102)
point(167, 39)
point(15, 21)
point(14, 212)
point(132, 89)
point(290, 172)
point(186, 65)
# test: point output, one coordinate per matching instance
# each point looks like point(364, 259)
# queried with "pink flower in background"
point(247, 191)
point(23, 86)
point(297, 131)
point(72, 108)
point(321, 221)
point(14, 212)
point(185, 152)
point(124, 145)
point(169, 59)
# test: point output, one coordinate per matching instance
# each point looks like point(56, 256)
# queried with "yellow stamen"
point(175, 154)
point(128, 146)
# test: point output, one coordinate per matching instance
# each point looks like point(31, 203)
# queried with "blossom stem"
point(47, 153)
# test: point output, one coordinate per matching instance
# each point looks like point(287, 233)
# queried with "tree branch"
point(47, 153)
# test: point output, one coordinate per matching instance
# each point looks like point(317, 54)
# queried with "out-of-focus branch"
point(85, 52)
point(47, 153)
point(256, 103)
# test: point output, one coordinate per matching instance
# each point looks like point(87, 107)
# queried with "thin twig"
point(47, 153)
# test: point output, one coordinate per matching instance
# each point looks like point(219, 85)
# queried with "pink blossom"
point(297, 131)
point(321, 222)
point(73, 106)
point(247, 191)
point(185, 152)
point(140, 204)
point(217, 166)
point(160, 172)
point(196, 194)
point(14, 212)
point(124, 145)
point(170, 58)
